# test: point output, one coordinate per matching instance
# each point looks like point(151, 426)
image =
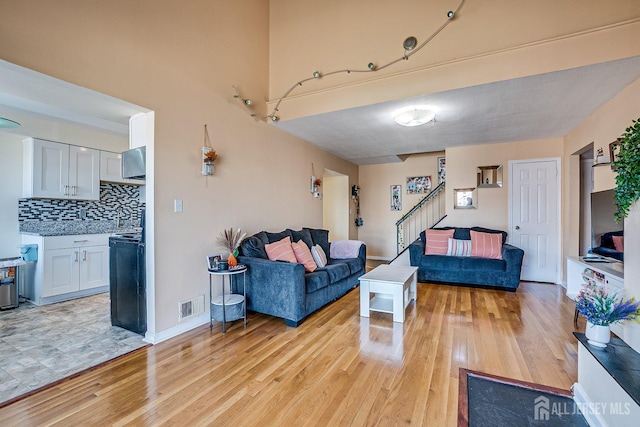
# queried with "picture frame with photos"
point(442, 169)
point(212, 261)
point(396, 197)
point(464, 198)
point(418, 184)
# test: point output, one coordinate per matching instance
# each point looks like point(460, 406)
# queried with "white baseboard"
point(181, 328)
point(582, 399)
point(379, 258)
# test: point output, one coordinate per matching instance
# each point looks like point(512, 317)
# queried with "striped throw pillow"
point(486, 245)
point(319, 256)
point(437, 241)
point(303, 255)
point(281, 251)
point(458, 247)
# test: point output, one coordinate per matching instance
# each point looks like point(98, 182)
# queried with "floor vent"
point(191, 307)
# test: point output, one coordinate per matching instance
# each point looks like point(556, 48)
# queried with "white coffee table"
point(394, 286)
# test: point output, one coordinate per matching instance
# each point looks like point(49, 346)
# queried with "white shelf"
point(381, 304)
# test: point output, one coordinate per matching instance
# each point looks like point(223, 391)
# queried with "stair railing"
point(426, 214)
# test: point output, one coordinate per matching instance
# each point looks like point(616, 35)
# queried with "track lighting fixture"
point(410, 43)
point(410, 46)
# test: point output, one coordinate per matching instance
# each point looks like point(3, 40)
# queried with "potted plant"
point(230, 240)
point(627, 165)
point(603, 308)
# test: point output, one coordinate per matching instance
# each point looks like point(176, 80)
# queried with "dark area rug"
point(488, 400)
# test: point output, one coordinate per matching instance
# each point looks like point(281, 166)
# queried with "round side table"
point(230, 299)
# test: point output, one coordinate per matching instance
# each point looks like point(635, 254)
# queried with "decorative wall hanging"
point(314, 184)
point(442, 169)
point(464, 198)
point(209, 155)
point(410, 46)
point(418, 184)
point(614, 149)
point(396, 197)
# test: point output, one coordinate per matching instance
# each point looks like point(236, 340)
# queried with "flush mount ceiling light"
point(410, 46)
point(8, 124)
point(414, 115)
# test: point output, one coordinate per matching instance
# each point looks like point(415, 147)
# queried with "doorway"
point(534, 220)
point(335, 204)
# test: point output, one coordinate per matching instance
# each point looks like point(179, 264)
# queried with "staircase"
point(426, 214)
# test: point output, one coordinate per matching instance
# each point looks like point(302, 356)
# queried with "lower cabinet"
point(69, 267)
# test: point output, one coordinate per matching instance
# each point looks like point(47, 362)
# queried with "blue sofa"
point(284, 289)
point(481, 272)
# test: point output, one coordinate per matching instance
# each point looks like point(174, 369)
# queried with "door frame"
point(558, 162)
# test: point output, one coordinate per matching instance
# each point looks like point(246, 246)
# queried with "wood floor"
point(337, 368)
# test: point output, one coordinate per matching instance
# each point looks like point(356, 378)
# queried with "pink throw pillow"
point(281, 251)
point(618, 243)
point(437, 241)
point(303, 256)
point(486, 245)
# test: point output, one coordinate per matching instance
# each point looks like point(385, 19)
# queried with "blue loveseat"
point(483, 272)
point(284, 289)
point(607, 248)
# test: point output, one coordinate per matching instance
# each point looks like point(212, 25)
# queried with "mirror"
point(490, 176)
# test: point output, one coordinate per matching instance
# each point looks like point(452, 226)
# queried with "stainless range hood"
point(134, 163)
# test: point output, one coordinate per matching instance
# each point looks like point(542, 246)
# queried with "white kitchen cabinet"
point(111, 169)
point(69, 267)
point(60, 171)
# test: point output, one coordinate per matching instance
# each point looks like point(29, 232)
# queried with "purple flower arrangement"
point(603, 308)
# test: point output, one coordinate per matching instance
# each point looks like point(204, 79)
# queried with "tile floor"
point(39, 345)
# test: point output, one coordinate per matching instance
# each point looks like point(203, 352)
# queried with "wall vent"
point(190, 308)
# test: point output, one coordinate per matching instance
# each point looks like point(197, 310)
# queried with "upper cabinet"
point(60, 171)
point(111, 169)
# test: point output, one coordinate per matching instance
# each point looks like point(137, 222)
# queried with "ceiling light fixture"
point(8, 124)
point(410, 46)
point(414, 115)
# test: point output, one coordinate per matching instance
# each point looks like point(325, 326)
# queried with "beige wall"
point(602, 127)
point(379, 230)
point(181, 63)
point(335, 206)
point(492, 207)
point(496, 41)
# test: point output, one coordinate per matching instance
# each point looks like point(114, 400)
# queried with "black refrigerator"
point(127, 283)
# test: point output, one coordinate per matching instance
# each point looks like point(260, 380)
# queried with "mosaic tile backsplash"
point(113, 197)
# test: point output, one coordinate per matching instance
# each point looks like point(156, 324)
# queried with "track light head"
point(247, 102)
point(274, 118)
point(316, 75)
point(410, 43)
point(450, 14)
point(371, 66)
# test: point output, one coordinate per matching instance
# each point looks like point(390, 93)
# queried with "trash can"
point(8, 290)
point(26, 274)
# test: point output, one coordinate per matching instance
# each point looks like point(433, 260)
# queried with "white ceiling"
point(27, 93)
point(542, 106)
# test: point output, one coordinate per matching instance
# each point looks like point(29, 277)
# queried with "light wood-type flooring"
point(337, 368)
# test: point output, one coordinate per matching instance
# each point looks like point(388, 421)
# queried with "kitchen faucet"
point(119, 212)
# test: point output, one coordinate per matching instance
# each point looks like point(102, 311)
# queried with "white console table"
point(610, 274)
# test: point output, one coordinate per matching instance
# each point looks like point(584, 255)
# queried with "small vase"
point(232, 260)
point(597, 335)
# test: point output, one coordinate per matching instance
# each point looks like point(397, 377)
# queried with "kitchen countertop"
point(65, 228)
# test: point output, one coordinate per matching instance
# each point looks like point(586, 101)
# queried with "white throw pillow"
point(319, 256)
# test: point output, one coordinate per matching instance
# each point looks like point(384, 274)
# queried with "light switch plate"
point(177, 205)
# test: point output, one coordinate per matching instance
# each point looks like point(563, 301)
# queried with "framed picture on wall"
point(418, 184)
point(396, 197)
point(442, 169)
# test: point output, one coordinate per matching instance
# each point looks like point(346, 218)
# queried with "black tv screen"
point(602, 215)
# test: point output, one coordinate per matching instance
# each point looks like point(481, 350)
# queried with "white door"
point(60, 271)
point(50, 169)
point(535, 217)
point(84, 173)
point(94, 267)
